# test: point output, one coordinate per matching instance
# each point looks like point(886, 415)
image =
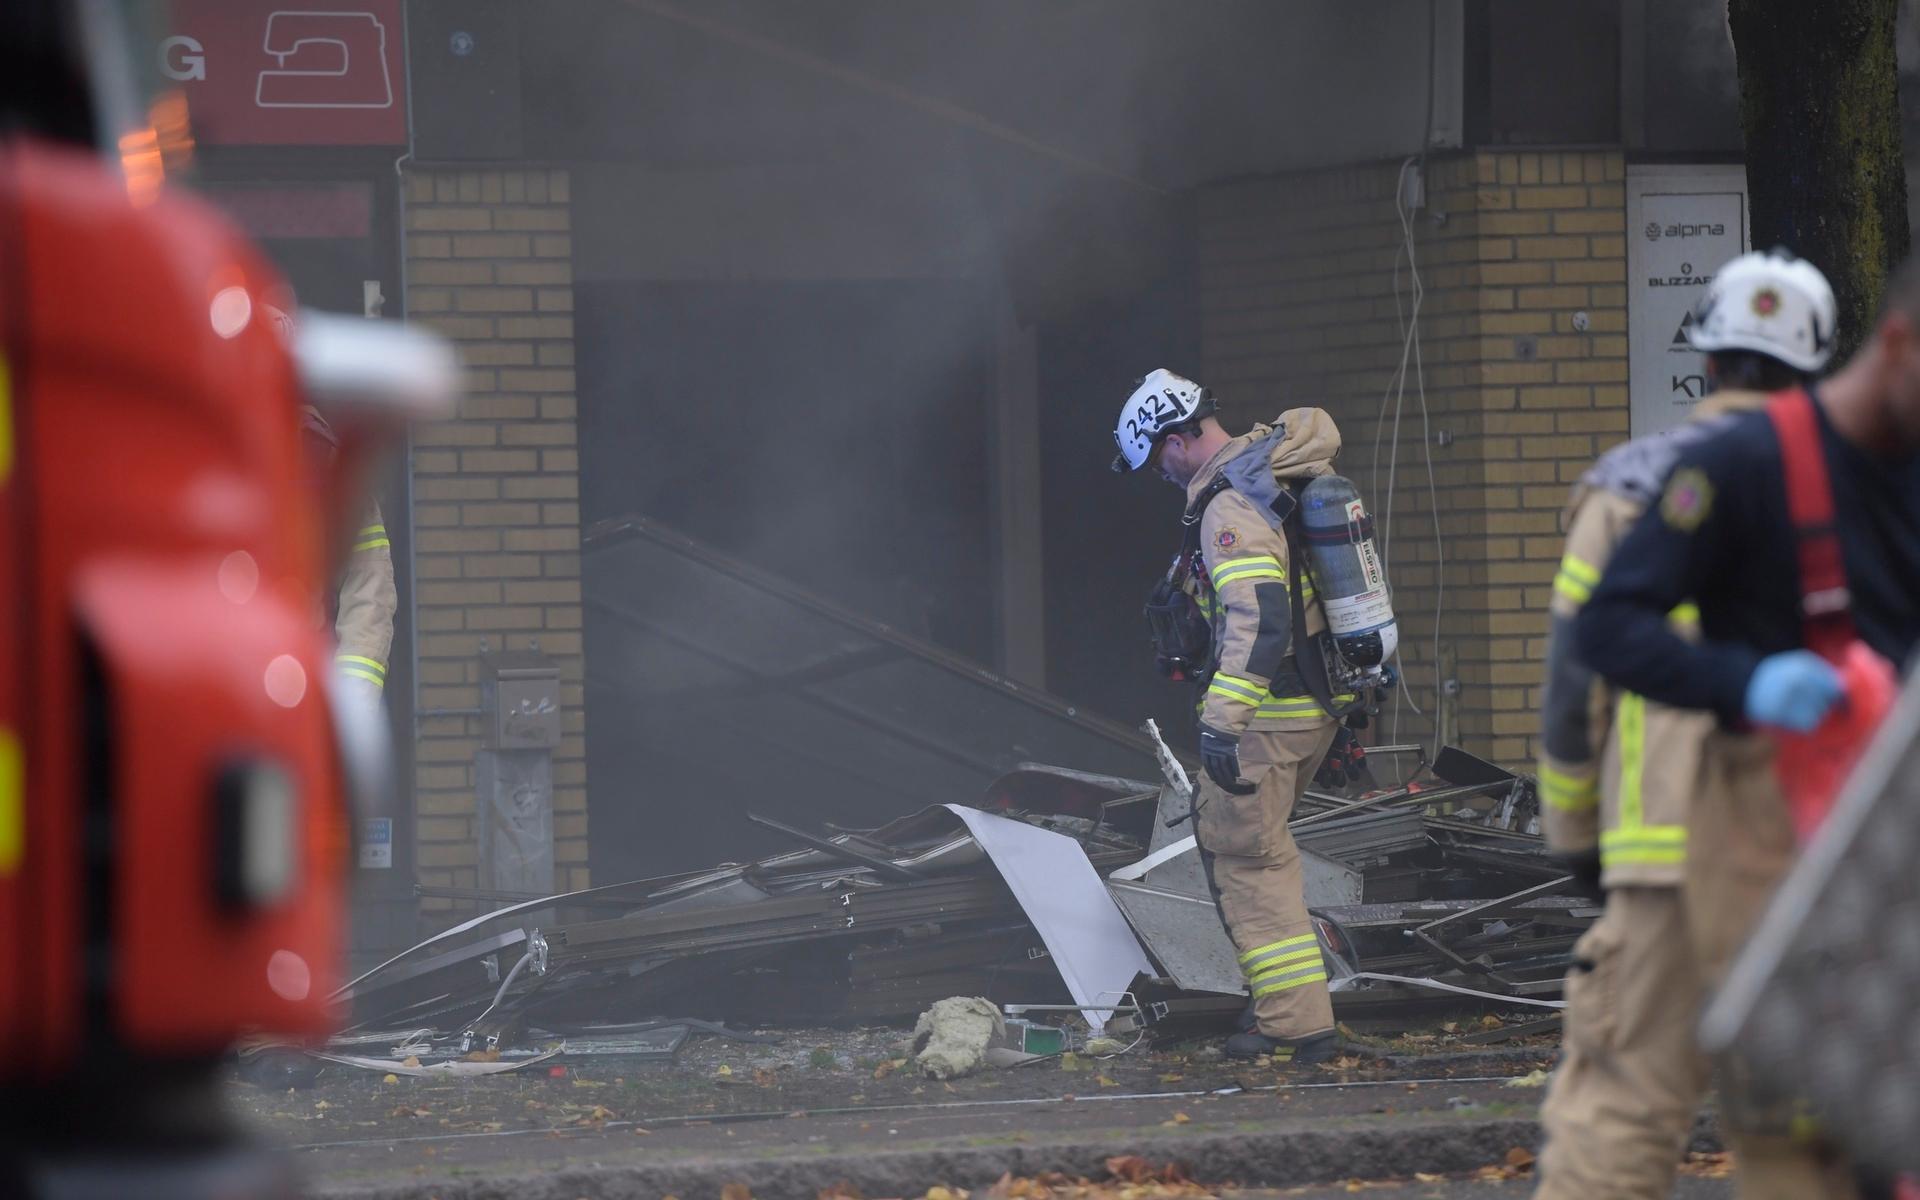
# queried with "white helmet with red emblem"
point(1770, 303)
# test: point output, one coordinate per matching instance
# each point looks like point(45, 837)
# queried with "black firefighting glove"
point(1584, 866)
point(1220, 755)
point(1346, 759)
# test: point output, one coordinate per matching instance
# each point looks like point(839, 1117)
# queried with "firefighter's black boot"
point(1321, 1047)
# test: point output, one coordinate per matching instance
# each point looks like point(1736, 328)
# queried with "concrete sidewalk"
point(1291, 1137)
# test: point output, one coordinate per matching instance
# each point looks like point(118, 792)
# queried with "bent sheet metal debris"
point(1090, 941)
point(1443, 877)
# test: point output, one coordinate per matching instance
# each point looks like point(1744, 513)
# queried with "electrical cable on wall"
point(1408, 319)
point(1411, 359)
point(1433, 490)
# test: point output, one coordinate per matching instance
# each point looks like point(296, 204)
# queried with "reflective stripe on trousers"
point(1634, 842)
point(1278, 966)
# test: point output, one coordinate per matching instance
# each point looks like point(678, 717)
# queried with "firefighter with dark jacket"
point(1722, 535)
point(1263, 733)
point(1618, 773)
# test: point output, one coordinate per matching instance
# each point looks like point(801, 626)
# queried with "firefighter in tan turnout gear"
point(1262, 732)
point(1618, 775)
point(364, 607)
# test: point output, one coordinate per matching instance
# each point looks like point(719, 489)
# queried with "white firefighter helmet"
point(1159, 402)
point(1771, 303)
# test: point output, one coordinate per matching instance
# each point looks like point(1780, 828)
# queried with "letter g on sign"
point(183, 59)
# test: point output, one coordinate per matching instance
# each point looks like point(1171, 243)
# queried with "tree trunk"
point(1820, 105)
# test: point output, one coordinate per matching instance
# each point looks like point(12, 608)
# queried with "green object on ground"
point(1038, 1039)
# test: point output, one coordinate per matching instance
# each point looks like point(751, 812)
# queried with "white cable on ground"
point(1411, 981)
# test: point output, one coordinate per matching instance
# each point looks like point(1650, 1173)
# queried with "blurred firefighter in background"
point(366, 600)
point(1618, 772)
point(1796, 532)
point(361, 610)
point(1263, 731)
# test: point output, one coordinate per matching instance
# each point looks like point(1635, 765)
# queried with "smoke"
point(859, 287)
point(798, 253)
point(804, 232)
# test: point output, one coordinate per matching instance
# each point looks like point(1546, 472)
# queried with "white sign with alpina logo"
point(1683, 222)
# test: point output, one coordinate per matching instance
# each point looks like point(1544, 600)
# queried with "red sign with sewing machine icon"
point(268, 73)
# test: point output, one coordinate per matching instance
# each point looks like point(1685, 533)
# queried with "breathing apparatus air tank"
point(1348, 575)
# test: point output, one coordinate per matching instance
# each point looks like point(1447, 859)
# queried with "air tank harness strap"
point(1197, 511)
point(1190, 539)
point(1824, 598)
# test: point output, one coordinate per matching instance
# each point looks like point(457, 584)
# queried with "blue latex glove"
point(1793, 690)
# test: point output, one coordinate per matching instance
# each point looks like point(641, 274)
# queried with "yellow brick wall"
point(1298, 286)
point(496, 490)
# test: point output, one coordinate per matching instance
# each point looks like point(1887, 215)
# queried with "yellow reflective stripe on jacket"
point(1676, 857)
point(1288, 707)
point(1268, 706)
point(371, 537)
point(1259, 566)
point(1576, 579)
point(1646, 835)
point(361, 667)
point(1568, 793)
point(1685, 614)
point(1226, 577)
point(1235, 688)
point(1648, 845)
point(1259, 954)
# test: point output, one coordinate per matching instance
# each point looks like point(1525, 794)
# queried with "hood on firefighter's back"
point(1303, 445)
point(1646, 450)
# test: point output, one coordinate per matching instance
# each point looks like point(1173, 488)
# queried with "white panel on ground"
point(1091, 943)
point(1683, 223)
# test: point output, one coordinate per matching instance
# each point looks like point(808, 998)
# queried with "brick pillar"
point(1299, 308)
point(496, 490)
point(1553, 244)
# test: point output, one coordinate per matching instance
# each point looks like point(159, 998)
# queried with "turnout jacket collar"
point(1300, 444)
point(1637, 470)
